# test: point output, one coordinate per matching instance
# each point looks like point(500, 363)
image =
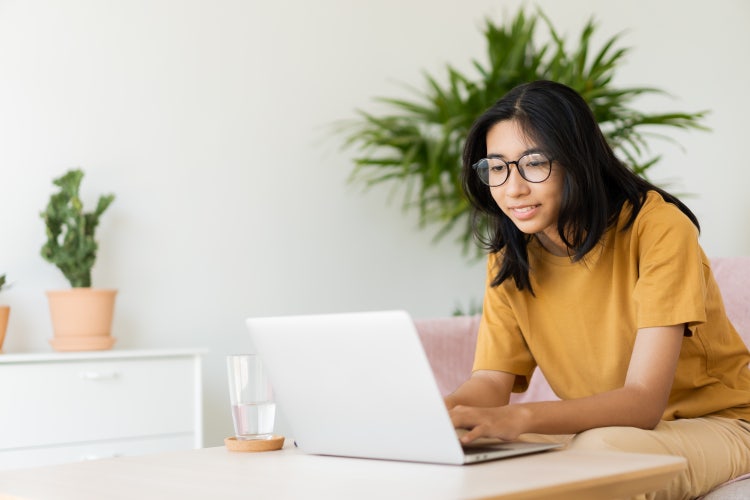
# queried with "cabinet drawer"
point(94, 400)
point(35, 457)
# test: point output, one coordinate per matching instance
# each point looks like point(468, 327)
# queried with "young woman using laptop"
point(596, 276)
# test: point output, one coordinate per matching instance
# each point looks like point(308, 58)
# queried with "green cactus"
point(2, 281)
point(70, 231)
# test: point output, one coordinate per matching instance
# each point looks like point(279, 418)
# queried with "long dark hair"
point(596, 184)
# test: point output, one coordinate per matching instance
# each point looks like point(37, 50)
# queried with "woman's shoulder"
point(654, 210)
point(658, 222)
point(654, 201)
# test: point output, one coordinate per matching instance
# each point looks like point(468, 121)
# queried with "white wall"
point(210, 122)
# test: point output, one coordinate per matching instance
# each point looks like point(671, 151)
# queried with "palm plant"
point(418, 146)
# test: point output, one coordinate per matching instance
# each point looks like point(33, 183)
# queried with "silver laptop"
point(360, 385)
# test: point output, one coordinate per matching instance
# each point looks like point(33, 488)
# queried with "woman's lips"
point(524, 212)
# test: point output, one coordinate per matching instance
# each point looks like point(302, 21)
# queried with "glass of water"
point(251, 397)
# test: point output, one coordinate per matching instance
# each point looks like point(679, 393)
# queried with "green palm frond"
point(417, 146)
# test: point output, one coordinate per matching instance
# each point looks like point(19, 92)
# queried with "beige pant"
point(717, 450)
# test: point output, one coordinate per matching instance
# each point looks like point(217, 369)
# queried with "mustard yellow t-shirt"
point(581, 325)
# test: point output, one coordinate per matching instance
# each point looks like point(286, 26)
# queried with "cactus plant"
point(70, 241)
point(2, 281)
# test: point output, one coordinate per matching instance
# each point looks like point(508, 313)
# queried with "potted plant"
point(81, 316)
point(416, 145)
point(4, 313)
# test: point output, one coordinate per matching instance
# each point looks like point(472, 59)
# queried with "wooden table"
point(216, 473)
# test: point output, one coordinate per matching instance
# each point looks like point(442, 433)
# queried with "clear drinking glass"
point(251, 397)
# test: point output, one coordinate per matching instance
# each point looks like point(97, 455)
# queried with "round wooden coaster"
point(273, 443)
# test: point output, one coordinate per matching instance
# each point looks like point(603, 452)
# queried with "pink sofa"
point(449, 345)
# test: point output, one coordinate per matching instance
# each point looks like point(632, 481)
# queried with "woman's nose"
point(515, 185)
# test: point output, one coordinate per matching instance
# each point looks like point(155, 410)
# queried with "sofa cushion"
point(733, 276)
point(736, 489)
point(449, 344)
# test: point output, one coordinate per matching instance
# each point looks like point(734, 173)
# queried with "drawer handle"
point(94, 375)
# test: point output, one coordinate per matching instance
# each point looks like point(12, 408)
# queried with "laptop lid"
point(358, 385)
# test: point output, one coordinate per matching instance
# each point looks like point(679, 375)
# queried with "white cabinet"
point(64, 407)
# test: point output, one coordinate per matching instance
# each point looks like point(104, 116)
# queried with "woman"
point(596, 276)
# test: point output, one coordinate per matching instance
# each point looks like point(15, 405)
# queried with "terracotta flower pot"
point(4, 313)
point(82, 318)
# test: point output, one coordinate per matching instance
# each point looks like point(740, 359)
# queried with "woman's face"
point(533, 207)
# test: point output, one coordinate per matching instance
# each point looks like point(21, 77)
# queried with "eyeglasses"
point(534, 167)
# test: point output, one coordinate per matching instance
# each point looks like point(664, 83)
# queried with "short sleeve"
point(671, 287)
point(500, 343)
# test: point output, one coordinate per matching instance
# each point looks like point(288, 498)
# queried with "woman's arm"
point(485, 388)
point(640, 402)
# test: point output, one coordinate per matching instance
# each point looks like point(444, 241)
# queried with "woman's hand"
point(502, 422)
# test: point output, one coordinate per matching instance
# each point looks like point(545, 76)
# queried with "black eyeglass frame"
point(476, 166)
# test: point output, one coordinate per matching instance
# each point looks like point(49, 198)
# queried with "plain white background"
point(211, 122)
